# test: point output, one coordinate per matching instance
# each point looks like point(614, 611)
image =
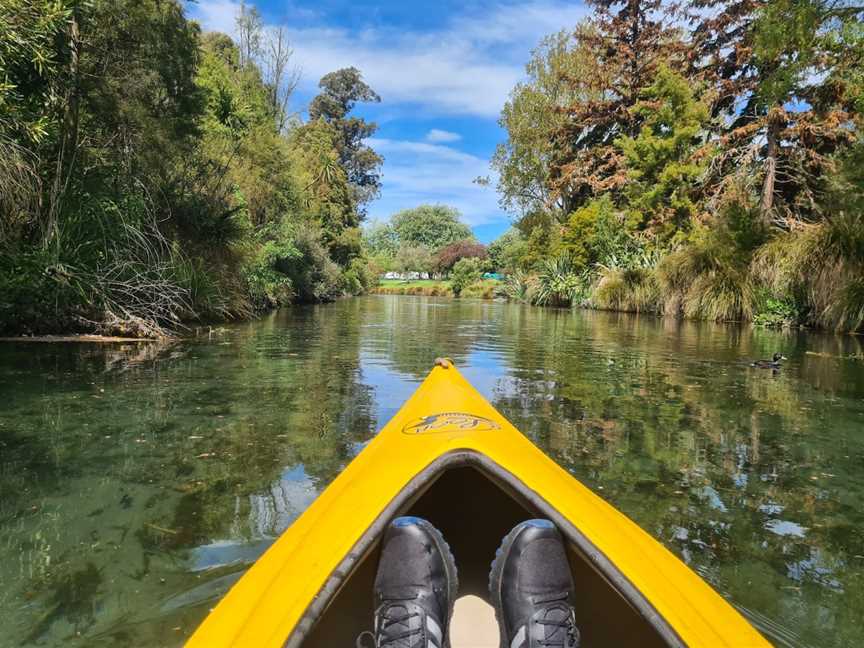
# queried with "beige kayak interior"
point(475, 510)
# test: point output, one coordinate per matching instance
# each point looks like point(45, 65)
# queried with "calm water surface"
point(138, 482)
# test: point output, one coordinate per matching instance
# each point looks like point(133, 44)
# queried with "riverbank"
point(484, 289)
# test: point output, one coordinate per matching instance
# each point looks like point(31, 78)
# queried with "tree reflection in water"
point(137, 483)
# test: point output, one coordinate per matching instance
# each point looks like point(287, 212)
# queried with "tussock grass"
point(705, 281)
point(633, 290)
point(824, 265)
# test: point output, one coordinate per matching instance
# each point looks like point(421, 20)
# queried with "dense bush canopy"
point(151, 174)
point(707, 170)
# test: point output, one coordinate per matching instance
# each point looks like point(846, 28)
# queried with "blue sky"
point(443, 69)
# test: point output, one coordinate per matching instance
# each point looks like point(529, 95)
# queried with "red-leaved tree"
point(448, 255)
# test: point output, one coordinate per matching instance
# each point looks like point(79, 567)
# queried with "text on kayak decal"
point(449, 422)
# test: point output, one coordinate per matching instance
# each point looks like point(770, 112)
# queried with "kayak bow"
point(450, 457)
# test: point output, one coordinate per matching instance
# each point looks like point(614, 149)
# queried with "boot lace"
point(389, 633)
point(560, 619)
point(569, 638)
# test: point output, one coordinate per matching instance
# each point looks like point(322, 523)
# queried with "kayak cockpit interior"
point(474, 503)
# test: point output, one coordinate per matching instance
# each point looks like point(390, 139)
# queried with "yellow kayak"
point(450, 457)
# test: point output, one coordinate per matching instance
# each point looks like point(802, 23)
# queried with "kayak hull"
point(449, 456)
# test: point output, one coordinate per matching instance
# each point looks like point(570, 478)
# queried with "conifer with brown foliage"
point(628, 39)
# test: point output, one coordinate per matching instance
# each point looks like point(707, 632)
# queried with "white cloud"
point(467, 68)
point(421, 172)
point(215, 15)
point(437, 135)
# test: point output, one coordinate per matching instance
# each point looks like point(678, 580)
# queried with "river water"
point(137, 482)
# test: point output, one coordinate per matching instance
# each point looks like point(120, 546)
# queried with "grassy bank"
point(484, 289)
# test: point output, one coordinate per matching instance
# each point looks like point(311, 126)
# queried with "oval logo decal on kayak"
point(450, 422)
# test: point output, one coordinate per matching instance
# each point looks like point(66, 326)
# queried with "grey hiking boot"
point(532, 589)
point(415, 587)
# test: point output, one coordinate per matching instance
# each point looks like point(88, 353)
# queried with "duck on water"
point(775, 363)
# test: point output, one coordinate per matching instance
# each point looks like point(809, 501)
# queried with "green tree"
point(785, 73)
point(666, 160)
point(381, 240)
point(340, 92)
point(506, 251)
point(532, 117)
point(146, 174)
point(413, 258)
point(465, 273)
point(432, 226)
point(541, 232)
point(29, 64)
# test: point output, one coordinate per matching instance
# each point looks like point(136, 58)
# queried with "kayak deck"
point(474, 513)
point(450, 457)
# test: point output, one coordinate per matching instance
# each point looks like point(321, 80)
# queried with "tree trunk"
point(772, 135)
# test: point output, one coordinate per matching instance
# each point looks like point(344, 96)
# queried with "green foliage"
point(541, 235)
point(506, 251)
point(559, 282)
point(340, 92)
point(269, 284)
point(432, 226)
point(598, 234)
point(29, 66)
point(518, 286)
point(360, 276)
point(146, 177)
point(665, 160)
point(786, 46)
point(532, 120)
point(413, 258)
point(773, 312)
point(316, 277)
point(465, 273)
point(381, 240)
point(662, 164)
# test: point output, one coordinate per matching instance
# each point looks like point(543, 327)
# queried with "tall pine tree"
point(782, 74)
point(628, 39)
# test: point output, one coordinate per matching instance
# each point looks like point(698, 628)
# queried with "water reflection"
point(138, 482)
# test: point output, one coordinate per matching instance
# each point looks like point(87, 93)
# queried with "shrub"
point(314, 275)
point(270, 287)
point(518, 286)
point(775, 312)
point(465, 272)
